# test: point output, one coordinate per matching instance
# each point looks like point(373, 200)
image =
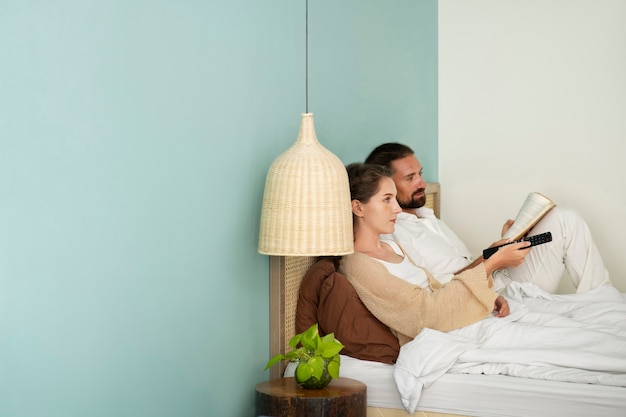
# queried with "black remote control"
point(534, 240)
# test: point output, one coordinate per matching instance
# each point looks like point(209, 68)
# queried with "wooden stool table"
point(283, 397)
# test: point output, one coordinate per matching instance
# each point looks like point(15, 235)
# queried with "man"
point(430, 243)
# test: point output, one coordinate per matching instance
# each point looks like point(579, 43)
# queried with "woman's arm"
point(506, 259)
point(507, 256)
point(408, 308)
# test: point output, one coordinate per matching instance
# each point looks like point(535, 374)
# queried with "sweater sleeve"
point(408, 308)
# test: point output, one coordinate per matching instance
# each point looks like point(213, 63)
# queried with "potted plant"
point(317, 357)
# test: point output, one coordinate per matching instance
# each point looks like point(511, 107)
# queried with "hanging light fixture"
point(306, 203)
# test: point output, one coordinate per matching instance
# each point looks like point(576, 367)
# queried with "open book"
point(534, 208)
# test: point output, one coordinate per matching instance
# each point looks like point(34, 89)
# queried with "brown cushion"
point(327, 298)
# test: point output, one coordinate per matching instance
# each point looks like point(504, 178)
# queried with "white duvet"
point(572, 338)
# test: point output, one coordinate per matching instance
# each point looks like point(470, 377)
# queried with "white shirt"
point(405, 270)
point(431, 244)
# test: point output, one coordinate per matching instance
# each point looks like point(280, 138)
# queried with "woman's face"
point(380, 212)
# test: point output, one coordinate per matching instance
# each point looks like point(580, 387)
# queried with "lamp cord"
point(306, 48)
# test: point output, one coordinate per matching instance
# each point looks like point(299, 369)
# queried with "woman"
point(400, 294)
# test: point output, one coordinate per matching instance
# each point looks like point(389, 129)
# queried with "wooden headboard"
point(286, 273)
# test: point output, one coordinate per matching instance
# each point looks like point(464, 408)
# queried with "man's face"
point(407, 175)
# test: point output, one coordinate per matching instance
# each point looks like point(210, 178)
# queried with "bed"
point(449, 394)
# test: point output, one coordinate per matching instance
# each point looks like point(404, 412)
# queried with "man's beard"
point(414, 202)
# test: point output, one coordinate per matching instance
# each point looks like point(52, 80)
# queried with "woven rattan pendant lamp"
point(306, 203)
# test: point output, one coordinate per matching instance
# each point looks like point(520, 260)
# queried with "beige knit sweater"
point(407, 308)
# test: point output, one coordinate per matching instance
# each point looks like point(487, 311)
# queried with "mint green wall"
point(373, 76)
point(134, 142)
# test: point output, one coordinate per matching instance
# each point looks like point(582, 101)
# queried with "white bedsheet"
point(570, 338)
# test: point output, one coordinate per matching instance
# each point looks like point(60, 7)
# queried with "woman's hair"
point(386, 153)
point(365, 180)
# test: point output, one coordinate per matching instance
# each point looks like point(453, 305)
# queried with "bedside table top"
point(283, 397)
point(288, 387)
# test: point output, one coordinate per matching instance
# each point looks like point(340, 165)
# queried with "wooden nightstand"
point(283, 397)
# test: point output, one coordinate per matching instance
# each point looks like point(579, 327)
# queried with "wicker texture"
point(306, 204)
point(295, 267)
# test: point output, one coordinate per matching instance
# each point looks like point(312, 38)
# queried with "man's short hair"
point(386, 153)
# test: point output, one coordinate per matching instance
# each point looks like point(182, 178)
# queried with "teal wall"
point(135, 137)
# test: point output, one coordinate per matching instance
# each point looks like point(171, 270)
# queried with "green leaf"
point(310, 338)
point(330, 351)
point(292, 356)
point(333, 369)
point(274, 361)
point(303, 371)
point(329, 346)
point(317, 365)
point(293, 342)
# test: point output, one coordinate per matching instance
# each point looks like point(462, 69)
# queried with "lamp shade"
point(306, 204)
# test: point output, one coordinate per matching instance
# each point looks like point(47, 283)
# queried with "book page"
point(534, 208)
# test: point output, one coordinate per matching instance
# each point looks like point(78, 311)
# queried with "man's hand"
point(507, 226)
point(501, 307)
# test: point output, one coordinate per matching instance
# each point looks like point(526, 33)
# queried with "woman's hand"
point(507, 256)
point(501, 307)
point(499, 242)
